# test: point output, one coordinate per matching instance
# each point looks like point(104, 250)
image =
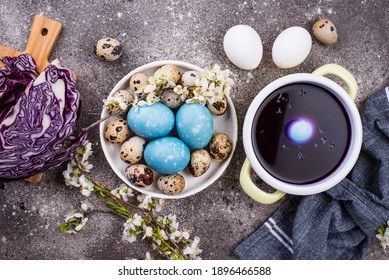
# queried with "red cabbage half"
point(37, 116)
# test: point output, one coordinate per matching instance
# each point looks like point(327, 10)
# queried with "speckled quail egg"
point(140, 175)
point(131, 151)
point(172, 72)
point(138, 81)
point(171, 99)
point(325, 31)
point(218, 107)
point(117, 131)
point(126, 97)
point(220, 146)
point(171, 184)
point(189, 77)
point(200, 161)
point(108, 49)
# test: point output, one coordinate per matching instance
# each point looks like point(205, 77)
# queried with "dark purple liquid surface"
point(293, 161)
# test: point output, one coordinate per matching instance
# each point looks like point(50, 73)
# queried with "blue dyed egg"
point(194, 125)
point(151, 121)
point(167, 155)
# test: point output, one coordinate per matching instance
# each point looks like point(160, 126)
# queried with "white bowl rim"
point(212, 178)
point(351, 156)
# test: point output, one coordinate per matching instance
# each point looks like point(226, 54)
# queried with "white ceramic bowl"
point(226, 123)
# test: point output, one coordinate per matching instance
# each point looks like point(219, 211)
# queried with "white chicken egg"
point(243, 46)
point(291, 47)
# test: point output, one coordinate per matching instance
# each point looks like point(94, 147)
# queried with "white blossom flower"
point(131, 227)
point(158, 206)
point(84, 206)
point(115, 104)
point(87, 187)
point(129, 238)
point(138, 103)
point(81, 225)
point(71, 176)
point(182, 91)
point(148, 232)
point(185, 234)
point(193, 250)
point(150, 88)
point(146, 201)
point(123, 192)
point(148, 256)
point(152, 98)
point(172, 218)
point(197, 99)
point(164, 235)
point(384, 238)
point(76, 219)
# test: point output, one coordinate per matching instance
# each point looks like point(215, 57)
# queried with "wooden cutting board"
point(44, 33)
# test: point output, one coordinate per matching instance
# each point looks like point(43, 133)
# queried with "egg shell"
point(117, 131)
point(218, 107)
point(138, 81)
point(108, 49)
point(194, 125)
point(172, 72)
point(151, 121)
point(243, 46)
point(325, 31)
point(171, 99)
point(291, 47)
point(171, 184)
point(200, 161)
point(220, 146)
point(125, 95)
point(131, 150)
point(167, 155)
point(140, 175)
point(189, 77)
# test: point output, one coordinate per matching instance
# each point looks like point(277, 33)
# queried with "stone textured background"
point(191, 31)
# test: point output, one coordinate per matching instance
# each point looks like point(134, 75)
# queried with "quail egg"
point(171, 184)
point(325, 31)
point(138, 81)
point(140, 175)
point(131, 151)
point(171, 99)
point(220, 146)
point(126, 97)
point(200, 161)
point(108, 49)
point(117, 131)
point(218, 107)
point(189, 77)
point(172, 72)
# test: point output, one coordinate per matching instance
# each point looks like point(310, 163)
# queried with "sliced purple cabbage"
point(38, 114)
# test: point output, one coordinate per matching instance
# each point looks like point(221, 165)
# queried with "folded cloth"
point(339, 223)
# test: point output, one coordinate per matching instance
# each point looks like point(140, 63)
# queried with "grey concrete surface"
point(192, 31)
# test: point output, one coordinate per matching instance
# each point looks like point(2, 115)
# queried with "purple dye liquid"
point(293, 161)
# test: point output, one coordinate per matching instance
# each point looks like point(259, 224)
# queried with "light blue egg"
point(167, 155)
point(151, 121)
point(194, 125)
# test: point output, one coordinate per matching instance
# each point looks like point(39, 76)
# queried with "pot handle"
point(253, 191)
point(343, 74)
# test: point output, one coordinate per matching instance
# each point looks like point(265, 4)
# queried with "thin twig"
point(96, 123)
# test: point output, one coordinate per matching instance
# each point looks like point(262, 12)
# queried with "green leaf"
point(100, 194)
point(381, 230)
point(117, 208)
point(64, 227)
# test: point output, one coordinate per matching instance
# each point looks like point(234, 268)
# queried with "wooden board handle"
point(4, 51)
point(44, 34)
